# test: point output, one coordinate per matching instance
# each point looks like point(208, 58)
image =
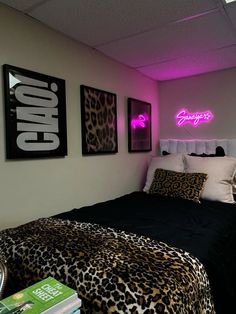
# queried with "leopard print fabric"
point(178, 184)
point(100, 121)
point(113, 271)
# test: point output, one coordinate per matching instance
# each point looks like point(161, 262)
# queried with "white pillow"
point(220, 171)
point(234, 178)
point(174, 162)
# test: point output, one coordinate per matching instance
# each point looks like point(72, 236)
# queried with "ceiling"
point(163, 39)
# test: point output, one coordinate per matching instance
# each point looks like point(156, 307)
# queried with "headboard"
point(198, 146)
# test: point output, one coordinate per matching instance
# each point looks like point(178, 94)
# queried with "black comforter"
point(206, 230)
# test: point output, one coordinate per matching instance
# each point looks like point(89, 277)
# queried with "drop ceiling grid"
point(144, 34)
point(182, 39)
point(206, 62)
point(97, 22)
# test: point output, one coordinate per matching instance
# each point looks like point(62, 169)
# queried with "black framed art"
point(35, 114)
point(139, 126)
point(99, 121)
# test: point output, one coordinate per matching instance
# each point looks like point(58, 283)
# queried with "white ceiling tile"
point(163, 39)
point(231, 11)
point(94, 22)
point(21, 5)
point(207, 62)
point(185, 38)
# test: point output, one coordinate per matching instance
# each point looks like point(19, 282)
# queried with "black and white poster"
point(35, 114)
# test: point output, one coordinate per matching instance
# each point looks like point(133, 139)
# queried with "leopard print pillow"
point(178, 184)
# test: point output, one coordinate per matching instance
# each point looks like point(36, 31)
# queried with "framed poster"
point(139, 126)
point(99, 121)
point(35, 114)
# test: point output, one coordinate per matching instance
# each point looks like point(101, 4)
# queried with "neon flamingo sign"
point(139, 122)
point(195, 118)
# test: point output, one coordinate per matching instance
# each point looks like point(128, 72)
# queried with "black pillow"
point(219, 153)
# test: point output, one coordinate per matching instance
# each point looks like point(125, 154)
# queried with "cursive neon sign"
point(139, 122)
point(195, 118)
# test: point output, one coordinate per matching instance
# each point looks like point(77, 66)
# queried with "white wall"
point(213, 91)
point(42, 187)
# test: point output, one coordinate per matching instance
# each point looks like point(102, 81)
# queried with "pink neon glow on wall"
point(139, 122)
point(183, 117)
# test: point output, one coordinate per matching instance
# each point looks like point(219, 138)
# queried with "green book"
point(46, 296)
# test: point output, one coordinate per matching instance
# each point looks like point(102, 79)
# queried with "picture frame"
point(35, 114)
point(98, 121)
point(139, 126)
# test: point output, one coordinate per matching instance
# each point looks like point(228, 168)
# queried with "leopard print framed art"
point(98, 121)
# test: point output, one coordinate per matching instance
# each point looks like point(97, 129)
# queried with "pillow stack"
point(191, 177)
point(173, 162)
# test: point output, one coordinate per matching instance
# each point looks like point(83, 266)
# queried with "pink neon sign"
point(139, 122)
point(195, 118)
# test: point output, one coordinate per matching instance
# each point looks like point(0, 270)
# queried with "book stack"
point(47, 296)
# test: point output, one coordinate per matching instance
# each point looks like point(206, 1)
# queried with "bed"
point(148, 251)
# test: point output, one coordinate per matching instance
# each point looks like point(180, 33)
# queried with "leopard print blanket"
point(113, 271)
